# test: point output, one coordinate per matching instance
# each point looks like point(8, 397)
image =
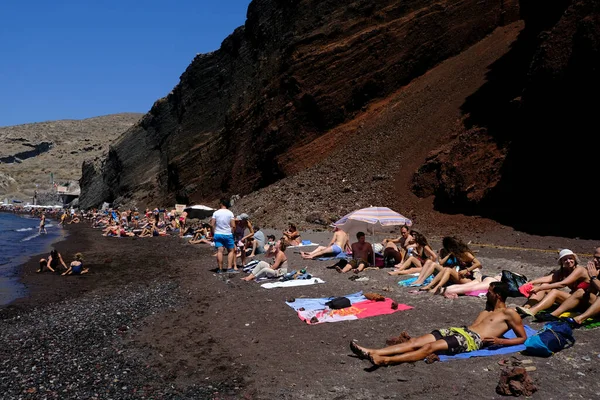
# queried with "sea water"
point(19, 240)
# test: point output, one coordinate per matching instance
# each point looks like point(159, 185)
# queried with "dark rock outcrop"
point(529, 129)
point(240, 117)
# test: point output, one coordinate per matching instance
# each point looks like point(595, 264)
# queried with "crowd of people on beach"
point(451, 271)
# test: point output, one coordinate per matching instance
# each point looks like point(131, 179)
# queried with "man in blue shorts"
point(223, 224)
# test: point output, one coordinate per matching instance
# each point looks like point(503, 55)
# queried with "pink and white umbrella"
point(370, 218)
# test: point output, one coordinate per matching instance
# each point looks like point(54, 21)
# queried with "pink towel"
point(476, 293)
point(526, 289)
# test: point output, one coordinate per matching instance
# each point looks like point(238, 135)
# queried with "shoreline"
point(153, 316)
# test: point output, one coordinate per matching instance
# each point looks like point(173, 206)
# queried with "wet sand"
point(152, 321)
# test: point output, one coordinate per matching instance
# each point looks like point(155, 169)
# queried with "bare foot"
point(360, 352)
point(338, 269)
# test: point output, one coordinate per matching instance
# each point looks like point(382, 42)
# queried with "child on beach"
point(76, 267)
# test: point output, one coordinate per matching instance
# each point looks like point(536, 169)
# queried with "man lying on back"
point(487, 330)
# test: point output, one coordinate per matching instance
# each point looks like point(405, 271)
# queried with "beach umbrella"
point(371, 218)
point(199, 212)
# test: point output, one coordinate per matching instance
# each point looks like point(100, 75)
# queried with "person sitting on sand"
point(396, 248)
point(292, 235)
point(362, 253)
point(337, 245)
point(202, 235)
point(52, 262)
point(417, 257)
point(76, 267)
point(256, 242)
point(466, 262)
point(594, 309)
point(277, 269)
point(487, 330)
point(242, 222)
point(453, 291)
point(547, 290)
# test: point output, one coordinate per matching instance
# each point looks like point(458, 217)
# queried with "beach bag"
point(513, 280)
point(338, 303)
point(552, 338)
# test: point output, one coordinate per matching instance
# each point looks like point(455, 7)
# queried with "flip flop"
point(360, 353)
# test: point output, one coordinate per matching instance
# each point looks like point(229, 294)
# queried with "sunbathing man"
point(338, 244)
point(362, 253)
point(487, 330)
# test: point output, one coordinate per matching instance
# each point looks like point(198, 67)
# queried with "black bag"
point(338, 303)
point(514, 281)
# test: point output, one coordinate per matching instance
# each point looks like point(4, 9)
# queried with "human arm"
point(514, 322)
point(593, 274)
point(573, 277)
point(67, 271)
point(48, 264)
point(251, 232)
point(475, 264)
point(431, 255)
point(62, 261)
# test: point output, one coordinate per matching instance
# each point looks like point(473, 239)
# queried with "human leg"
point(43, 263)
point(576, 298)
point(592, 311)
point(419, 353)
point(443, 275)
point(535, 298)
point(319, 251)
point(220, 257)
point(553, 296)
point(428, 268)
point(411, 260)
point(411, 345)
point(231, 259)
point(471, 286)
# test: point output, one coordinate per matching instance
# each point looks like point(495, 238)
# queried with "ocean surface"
point(19, 240)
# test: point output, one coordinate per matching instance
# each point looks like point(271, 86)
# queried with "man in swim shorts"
point(338, 244)
point(487, 330)
point(362, 255)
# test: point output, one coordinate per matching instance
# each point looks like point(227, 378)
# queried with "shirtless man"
point(338, 244)
point(487, 330)
point(397, 248)
point(362, 253)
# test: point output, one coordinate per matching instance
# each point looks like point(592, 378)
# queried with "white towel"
point(293, 282)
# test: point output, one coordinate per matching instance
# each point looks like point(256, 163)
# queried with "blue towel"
point(409, 282)
point(319, 303)
point(341, 256)
point(306, 242)
point(493, 351)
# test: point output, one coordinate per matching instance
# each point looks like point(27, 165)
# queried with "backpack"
point(552, 338)
point(513, 280)
point(338, 303)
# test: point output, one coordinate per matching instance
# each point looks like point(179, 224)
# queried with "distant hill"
point(30, 153)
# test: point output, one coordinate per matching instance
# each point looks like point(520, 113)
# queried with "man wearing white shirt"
point(223, 223)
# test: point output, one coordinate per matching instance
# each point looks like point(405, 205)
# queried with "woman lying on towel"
point(459, 265)
point(417, 256)
point(277, 269)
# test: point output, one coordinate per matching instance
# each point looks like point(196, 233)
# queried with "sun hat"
point(564, 253)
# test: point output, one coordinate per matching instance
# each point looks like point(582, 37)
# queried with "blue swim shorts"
point(336, 249)
point(224, 241)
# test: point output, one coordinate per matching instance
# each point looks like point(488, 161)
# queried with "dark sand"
point(152, 321)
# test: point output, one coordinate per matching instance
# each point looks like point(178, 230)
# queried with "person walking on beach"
point(223, 224)
point(43, 224)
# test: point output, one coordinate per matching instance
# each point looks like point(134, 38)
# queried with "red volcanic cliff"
point(296, 70)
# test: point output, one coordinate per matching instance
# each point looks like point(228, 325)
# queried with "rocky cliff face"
point(247, 115)
point(530, 129)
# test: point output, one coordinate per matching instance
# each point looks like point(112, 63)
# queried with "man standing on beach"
point(223, 223)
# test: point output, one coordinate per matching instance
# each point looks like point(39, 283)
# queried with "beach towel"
point(304, 243)
point(315, 312)
point(477, 293)
point(409, 282)
point(295, 282)
point(589, 323)
point(493, 351)
point(341, 256)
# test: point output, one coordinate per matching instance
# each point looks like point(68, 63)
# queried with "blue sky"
point(74, 59)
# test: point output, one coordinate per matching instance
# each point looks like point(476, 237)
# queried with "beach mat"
point(409, 282)
point(293, 282)
point(316, 312)
point(495, 351)
point(304, 245)
point(590, 323)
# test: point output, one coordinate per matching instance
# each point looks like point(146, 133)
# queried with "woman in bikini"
point(547, 290)
point(278, 268)
point(462, 268)
point(421, 253)
point(292, 235)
